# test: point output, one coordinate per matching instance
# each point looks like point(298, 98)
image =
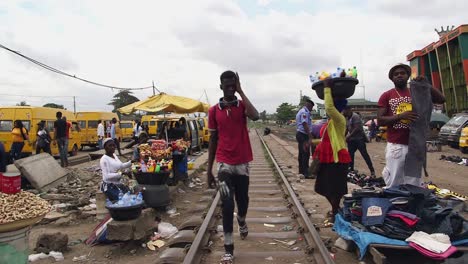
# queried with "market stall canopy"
point(167, 103)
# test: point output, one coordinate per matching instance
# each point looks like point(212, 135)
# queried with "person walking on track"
point(230, 144)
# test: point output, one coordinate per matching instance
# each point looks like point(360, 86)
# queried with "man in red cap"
point(395, 112)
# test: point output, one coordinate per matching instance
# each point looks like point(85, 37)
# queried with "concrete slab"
point(42, 171)
point(136, 229)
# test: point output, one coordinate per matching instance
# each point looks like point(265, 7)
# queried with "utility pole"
point(154, 89)
point(206, 95)
point(74, 105)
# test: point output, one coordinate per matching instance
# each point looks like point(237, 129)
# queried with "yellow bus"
point(88, 122)
point(30, 116)
point(152, 122)
point(203, 122)
point(127, 129)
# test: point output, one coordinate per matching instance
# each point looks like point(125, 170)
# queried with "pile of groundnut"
point(20, 206)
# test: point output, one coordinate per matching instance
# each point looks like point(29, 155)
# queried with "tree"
point(263, 116)
point(303, 100)
point(22, 103)
point(285, 112)
point(121, 99)
point(52, 105)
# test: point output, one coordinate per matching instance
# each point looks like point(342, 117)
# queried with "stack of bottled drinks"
point(340, 72)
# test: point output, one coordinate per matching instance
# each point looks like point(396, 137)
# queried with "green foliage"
point(303, 100)
point(52, 105)
point(22, 103)
point(285, 112)
point(121, 99)
point(263, 115)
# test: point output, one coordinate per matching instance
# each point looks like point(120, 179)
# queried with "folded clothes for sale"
point(408, 221)
point(374, 210)
point(392, 228)
point(437, 242)
point(408, 215)
point(428, 253)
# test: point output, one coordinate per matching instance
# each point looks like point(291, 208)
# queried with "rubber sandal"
point(227, 259)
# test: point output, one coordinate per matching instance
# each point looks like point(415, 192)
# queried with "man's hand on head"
point(420, 78)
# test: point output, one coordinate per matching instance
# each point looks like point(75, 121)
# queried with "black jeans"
point(238, 187)
point(117, 146)
point(45, 148)
point(15, 151)
point(360, 145)
point(304, 153)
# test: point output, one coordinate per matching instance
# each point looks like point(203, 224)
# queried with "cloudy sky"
point(184, 45)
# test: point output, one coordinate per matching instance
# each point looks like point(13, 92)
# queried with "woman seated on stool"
point(111, 174)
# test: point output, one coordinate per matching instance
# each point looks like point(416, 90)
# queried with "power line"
point(45, 66)
point(40, 96)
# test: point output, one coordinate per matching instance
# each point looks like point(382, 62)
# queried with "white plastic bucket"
point(14, 246)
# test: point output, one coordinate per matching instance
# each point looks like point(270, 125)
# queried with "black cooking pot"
point(156, 195)
point(126, 212)
point(343, 87)
point(151, 178)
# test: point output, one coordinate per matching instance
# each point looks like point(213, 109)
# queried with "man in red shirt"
point(230, 143)
point(395, 112)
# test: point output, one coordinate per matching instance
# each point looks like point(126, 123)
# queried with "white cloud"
point(264, 2)
point(184, 45)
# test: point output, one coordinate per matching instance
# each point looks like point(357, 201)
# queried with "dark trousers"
point(304, 153)
point(239, 189)
point(62, 144)
point(45, 148)
point(112, 190)
point(360, 145)
point(117, 146)
point(15, 151)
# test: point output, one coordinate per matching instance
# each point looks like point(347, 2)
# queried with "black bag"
point(315, 164)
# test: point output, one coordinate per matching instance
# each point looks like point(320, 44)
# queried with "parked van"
point(30, 116)
point(88, 122)
point(127, 129)
point(450, 132)
point(203, 122)
point(192, 128)
point(152, 122)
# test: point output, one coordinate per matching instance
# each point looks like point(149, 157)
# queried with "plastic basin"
point(125, 213)
point(343, 87)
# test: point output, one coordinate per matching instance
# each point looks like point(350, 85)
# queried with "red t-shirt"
point(233, 137)
point(396, 102)
point(67, 132)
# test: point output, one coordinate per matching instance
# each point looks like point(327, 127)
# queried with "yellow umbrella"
point(166, 103)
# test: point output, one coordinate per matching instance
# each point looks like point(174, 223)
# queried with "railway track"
point(280, 230)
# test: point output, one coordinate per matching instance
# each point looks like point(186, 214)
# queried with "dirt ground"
point(442, 173)
point(78, 229)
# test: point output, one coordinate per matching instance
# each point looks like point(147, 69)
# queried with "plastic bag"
point(166, 230)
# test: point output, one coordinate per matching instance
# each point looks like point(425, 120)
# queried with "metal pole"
point(154, 89)
point(440, 76)
point(74, 105)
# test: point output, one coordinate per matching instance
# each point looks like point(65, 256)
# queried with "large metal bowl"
point(343, 87)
